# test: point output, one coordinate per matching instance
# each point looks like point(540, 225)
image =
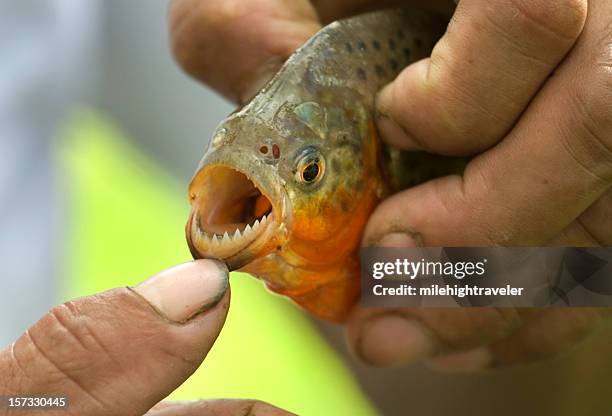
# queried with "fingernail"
point(398, 240)
point(390, 130)
point(473, 360)
point(392, 340)
point(184, 291)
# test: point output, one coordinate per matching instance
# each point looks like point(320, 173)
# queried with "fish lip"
point(260, 241)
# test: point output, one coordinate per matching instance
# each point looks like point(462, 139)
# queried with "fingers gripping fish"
point(288, 181)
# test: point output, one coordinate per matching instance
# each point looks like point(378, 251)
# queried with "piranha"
point(288, 181)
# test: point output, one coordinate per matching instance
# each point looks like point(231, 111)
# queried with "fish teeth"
point(205, 238)
point(217, 240)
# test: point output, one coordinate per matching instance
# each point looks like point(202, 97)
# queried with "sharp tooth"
point(247, 229)
point(256, 224)
point(199, 231)
point(226, 238)
point(215, 239)
point(237, 234)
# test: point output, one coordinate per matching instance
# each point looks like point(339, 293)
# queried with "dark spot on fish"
point(336, 166)
point(263, 150)
point(394, 65)
point(275, 151)
point(418, 42)
point(407, 53)
point(361, 45)
point(344, 205)
point(376, 45)
point(400, 34)
point(278, 248)
point(391, 44)
point(380, 71)
point(361, 74)
point(348, 47)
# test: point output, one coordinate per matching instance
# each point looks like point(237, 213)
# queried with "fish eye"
point(311, 172)
point(310, 167)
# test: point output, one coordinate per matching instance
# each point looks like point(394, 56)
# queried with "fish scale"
point(364, 52)
point(306, 152)
point(369, 51)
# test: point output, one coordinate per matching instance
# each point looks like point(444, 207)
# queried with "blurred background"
point(100, 133)
point(64, 64)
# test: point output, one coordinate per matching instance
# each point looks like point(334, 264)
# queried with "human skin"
point(526, 86)
point(123, 351)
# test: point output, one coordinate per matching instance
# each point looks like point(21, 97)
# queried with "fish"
point(288, 181)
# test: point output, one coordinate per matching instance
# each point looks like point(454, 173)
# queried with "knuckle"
point(193, 26)
point(492, 324)
point(182, 39)
point(563, 328)
point(564, 19)
point(593, 147)
point(490, 222)
point(597, 98)
point(470, 328)
point(465, 122)
point(66, 339)
point(463, 126)
point(53, 352)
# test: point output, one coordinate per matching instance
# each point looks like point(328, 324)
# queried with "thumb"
point(122, 351)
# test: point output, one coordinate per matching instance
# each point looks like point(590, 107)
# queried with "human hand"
point(122, 351)
point(236, 46)
point(543, 177)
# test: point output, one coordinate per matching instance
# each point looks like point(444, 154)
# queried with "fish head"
point(290, 186)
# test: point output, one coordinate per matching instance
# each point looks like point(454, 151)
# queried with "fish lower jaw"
point(228, 244)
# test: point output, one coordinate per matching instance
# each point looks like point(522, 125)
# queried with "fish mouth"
point(232, 219)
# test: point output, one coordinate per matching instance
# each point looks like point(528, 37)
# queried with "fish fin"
point(313, 116)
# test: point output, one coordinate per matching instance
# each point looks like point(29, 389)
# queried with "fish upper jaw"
point(234, 217)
